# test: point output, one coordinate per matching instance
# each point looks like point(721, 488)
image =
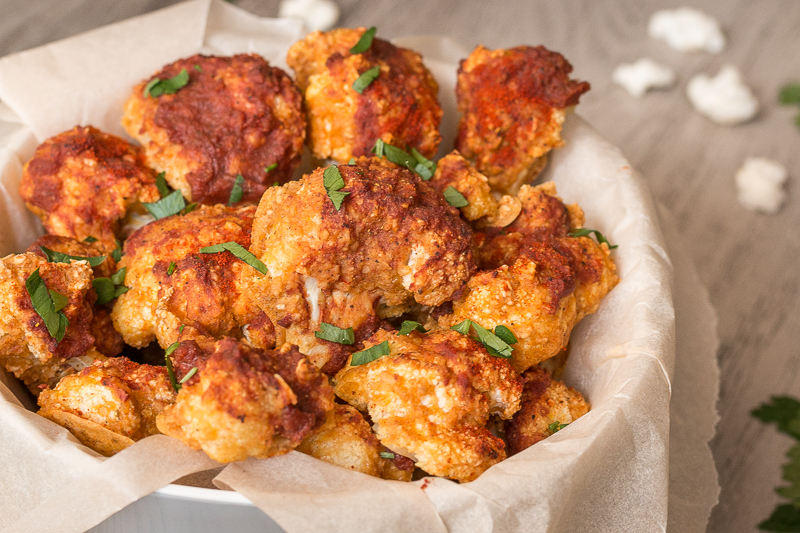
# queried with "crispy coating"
point(82, 182)
point(209, 294)
point(399, 106)
point(346, 440)
point(393, 242)
point(545, 401)
point(236, 116)
point(512, 105)
point(245, 402)
point(430, 400)
point(26, 347)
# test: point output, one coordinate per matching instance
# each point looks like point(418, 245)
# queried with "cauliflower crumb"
point(316, 14)
point(725, 99)
point(687, 30)
point(759, 183)
point(639, 77)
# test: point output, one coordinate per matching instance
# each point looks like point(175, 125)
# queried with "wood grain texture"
point(748, 261)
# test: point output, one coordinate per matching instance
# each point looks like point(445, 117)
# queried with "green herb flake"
point(387, 455)
point(117, 253)
point(415, 161)
point(109, 288)
point(172, 204)
point(188, 375)
point(236, 191)
point(583, 232)
point(352, 161)
point(455, 198)
point(59, 300)
point(239, 251)
point(556, 426)
point(198, 68)
point(42, 300)
point(365, 42)
point(505, 334)
point(409, 326)
point(180, 329)
point(463, 327)
point(332, 181)
point(170, 370)
point(789, 94)
point(171, 268)
point(493, 343)
point(366, 79)
point(90, 239)
point(189, 208)
point(370, 354)
point(161, 185)
point(58, 257)
point(424, 167)
point(156, 87)
point(329, 332)
point(118, 278)
point(271, 167)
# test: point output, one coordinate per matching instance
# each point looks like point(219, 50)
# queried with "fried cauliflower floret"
point(399, 106)
point(27, 349)
point(547, 406)
point(172, 284)
point(121, 396)
point(236, 116)
point(82, 182)
point(346, 440)
point(393, 242)
point(513, 103)
point(430, 400)
point(245, 402)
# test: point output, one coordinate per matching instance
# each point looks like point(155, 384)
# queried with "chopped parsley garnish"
point(495, 343)
point(117, 253)
point(170, 370)
point(370, 354)
point(387, 455)
point(455, 198)
point(90, 239)
point(333, 182)
point(239, 251)
point(48, 304)
point(171, 268)
point(583, 232)
point(171, 204)
point(236, 190)
point(366, 79)
point(409, 326)
point(109, 288)
point(188, 375)
point(271, 167)
point(556, 426)
point(424, 167)
point(58, 257)
point(329, 332)
point(352, 161)
point(156, 87)
point(364, 42)
point(198, 68)
point(161, 185)
point(180, 329)
point(790, 94)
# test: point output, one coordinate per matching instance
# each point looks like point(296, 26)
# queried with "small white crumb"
point(724, 99)
point(760, 185)
point(316, 14)
point(687, 30)
point(637, 78)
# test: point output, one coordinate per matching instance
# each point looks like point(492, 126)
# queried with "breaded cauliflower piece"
point(173, 285)
point(82, 182)
point(26, 347)
point(346, 440)
point(395, 241)
point(547, 406)
point(121, 396)
point(430, 400)
point(236, 116)
point(399, 106)
point(245, 402)
point(513, 103)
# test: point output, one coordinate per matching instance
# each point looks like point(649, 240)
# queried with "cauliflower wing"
point(82, 182)
point(513, 103)
point(395, 241)
point(399, 106)
point(236, 116)
point(244, 402)
point(430, 400)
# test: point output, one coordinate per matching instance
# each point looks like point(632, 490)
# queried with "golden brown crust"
point(431, 397)
point(512, 103)
point(236, 116)
point(544, 403)
point(81, 183)
point(399, 106)
point(245, 402)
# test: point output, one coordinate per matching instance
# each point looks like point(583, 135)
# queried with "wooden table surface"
point(749, 262)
